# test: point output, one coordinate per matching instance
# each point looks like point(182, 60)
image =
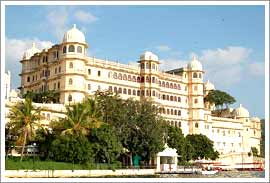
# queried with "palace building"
point(178, 93)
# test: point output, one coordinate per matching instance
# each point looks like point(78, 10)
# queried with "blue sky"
point(228, 40)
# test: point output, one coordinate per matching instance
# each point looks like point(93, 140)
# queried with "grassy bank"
point(35, 163)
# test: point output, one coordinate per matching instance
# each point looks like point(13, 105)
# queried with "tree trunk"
point(131, 162)
point(24, 141)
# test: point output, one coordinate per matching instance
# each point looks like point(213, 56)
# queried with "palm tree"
point(80, 119)
point(24, 120)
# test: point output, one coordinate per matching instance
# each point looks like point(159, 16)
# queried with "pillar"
point(158, 164)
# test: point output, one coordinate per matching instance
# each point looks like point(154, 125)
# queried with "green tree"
point(254, 151)
point(262, 141)
point(105, 143)
point(24, 118)
point(219, 98)
point(177, 140)
point(203, 147)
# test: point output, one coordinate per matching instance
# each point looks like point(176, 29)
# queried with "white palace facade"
point(179, 93)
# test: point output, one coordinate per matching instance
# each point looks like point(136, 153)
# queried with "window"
point(28, 79)
point(153, 80)
point(179, 113)
point(71, 48)
point(89, 71)
point(119, 90)
point(195, 101)
point(48, 116)
point(195, 88)
point(115, 75)
point(125, 91)
point(54, 86)
point(159, 83)
point(142, 66)
point(153, 66)
point(70, 65)
point(134, 92)
point(142, 92)
point(79, 49)
point(196, 125)
point(115, 90)
point(171, 85)
point(59, 69)
point(129, 77)
point(55, 70)
point(179, 87)
point(89, 86)
point(138, 79)
point(70, 81)
point(167, 85)
point(171, 98)
point(129, 91)
point(168, 111)
point(70, 98)
point(110, 88)
point(175, 112)
point(147, 66)
point(125, 77)
point(171, 111)
point(195, 75)
point(147, 79)
point(99, 87)
point(175, 86)
point(64, 49)
point(200, 75)
point(120, 76)
point(33, 78)
point(179, 124)
point(134, 78)
point(99, 73)
point(175, 98)
point(154, 93)
point(179, 99)
point(168, 97)
point(58, 85)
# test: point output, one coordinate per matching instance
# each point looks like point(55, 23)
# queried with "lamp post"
point(34, 154)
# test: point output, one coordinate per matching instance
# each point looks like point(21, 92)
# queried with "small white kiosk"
point(167, 160)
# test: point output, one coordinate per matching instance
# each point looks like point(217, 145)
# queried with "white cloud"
point(85, 17)
point(57, 20)
point(163, 48)
point(14, 49)
point(170, 63)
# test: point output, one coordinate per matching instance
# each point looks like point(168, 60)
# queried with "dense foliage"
point(43, 97)
point(262, 142)
point(219, 98)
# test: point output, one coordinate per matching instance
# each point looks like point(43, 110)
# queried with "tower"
point(195, 97)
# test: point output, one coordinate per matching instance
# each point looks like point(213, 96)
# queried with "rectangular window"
point(89, 71)
point(54, 86)
point(89, 86)
point(195, 88)
point(58, 85)
point(99, 73)
point(195, 101)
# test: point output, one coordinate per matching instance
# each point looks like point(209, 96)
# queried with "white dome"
point(74, 35)
point(30, 52)
point(209, 86)
point(149, 56)
point(241, 112)
point(195, 65)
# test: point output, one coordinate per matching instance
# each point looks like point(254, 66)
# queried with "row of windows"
point(144, 93)
point(197, 75)
point(174, 123)
point(170, 111)
point(71, 48)
point(149, 66)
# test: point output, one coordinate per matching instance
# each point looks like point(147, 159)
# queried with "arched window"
point(168, 97)
point(79, 49)
point(175, 98)
point(64, 49)
point(163, 84)
point(110, 88)
point(153, 80)
point(142, 66)
point(28, 79)
point(70, 81)
point(171, 98)
point(115, 75)
point(70, 98)
point(159, 83)
point(167, 85)
point(147, 79)
point(129, 91)
point(179, 99)
point(179, 124)
point(71, 48)
point(134, 78)
point(147, 66)
point(153, 66)
point(125, 77)
point(200, 75)
point(129, 77)
point(174, 86)
point(163, 97)
point(120, 76)
point(179, 113)
point(138, 92)
point(115, 89)
point(168, 111)
point(171, 85)
point(196, 125)
point(70, 65)
point(179, 87)
point(154, 93)
point(125, 91)
point(175, 112)
point(147, 93)
point(142, 79)
point(119, 90)
point(134, 92)
point(195, 75)
point(138, 79)
point(142, 93)
point(171, 111)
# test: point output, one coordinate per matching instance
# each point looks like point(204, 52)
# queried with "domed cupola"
point(209, 86)
point(30, 52)
point(149, 56)
point(195, 65)
point(241, 112)
point(74, 35)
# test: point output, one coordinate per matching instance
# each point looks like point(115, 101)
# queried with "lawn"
point(36, 164)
